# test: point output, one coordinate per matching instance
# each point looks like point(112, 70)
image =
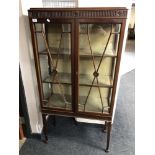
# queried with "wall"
point(28, 71)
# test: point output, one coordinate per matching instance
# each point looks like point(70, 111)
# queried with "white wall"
point(27, 61)
point(28, 72)
point(27, 4)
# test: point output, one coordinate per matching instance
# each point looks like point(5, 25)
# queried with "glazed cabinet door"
point(54, 58)
point(98, 46)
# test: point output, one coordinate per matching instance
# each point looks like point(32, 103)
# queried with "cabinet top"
point(94, 12)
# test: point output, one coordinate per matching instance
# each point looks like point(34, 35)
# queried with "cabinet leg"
point(105, 127)
point(109, 125)
point(45, 127)
point(75, 122)
point(54, 120)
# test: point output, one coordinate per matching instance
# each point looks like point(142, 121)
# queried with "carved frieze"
point(114, 13)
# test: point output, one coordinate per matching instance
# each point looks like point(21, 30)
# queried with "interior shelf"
point(55, 51)
point(42, 32)
point(64, 78)
point(93, 104)
point(84, 53)
point(57, 101)
point(84, 80)
point(87, 53)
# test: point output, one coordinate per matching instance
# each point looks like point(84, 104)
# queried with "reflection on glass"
point(54, 47)
point(99, 34)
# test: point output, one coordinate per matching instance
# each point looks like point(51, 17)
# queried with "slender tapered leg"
point(105, 127)
point(54, 120)
point(108, 135)
point(45, 127)
point(75, 122)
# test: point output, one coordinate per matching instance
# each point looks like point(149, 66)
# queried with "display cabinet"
point(77, 54)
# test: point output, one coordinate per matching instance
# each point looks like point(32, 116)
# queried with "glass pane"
point(86, 71)
point(56, 96)
point(98, 46)
point(93, 103)
point(98, 37)
point(54, 48)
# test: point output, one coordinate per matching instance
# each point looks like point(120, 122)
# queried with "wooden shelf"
point(84, 53)
point(84, 80)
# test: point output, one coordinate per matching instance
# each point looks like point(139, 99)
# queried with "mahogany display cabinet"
point(77, 54)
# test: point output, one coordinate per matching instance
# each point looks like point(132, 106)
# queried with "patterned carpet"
point(66, 138)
